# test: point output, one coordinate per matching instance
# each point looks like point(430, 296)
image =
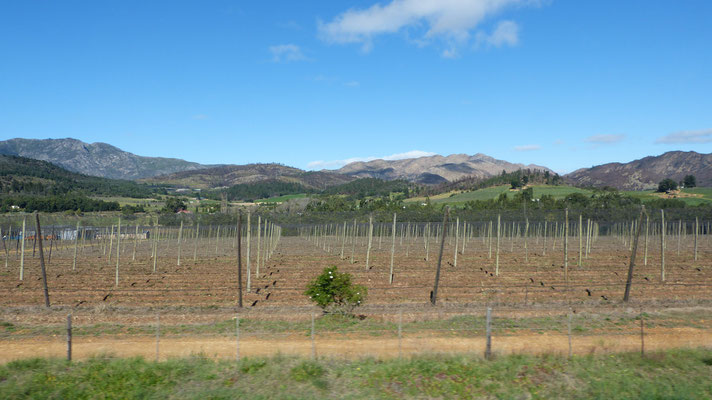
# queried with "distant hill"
point(647, 172)
point(434, 169)
point(26, 176)
point(230, 175)
point(97, 159)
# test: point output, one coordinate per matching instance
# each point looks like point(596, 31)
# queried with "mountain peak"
point(433, 169)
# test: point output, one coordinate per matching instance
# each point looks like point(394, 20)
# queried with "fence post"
point(237, 337)
point(400, 333)
point(569, 329)
point(642, 334)
point(69, 337)
point(488, 329)
point(313, 343)
point(158, 335)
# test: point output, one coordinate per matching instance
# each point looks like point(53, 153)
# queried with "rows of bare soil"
point(211, 279)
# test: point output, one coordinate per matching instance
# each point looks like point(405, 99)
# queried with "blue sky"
point(561, 83)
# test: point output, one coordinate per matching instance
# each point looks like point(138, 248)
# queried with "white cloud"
point(286, 52)
point(333, 164)
point(604, 139)
point(527, 147)
point(505, 34)
point(702, 136)
point(352, 84)
point(451, 20)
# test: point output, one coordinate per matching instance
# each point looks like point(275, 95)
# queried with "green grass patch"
point(675, 374)
point(282, 199)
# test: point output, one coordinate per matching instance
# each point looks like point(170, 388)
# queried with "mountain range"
point(104, 160)
point(434, 169)
point(97, 159)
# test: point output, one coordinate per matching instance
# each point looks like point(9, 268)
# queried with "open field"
point(526, 283)
point(691, 197)
point(281, 199)
point(459, 198)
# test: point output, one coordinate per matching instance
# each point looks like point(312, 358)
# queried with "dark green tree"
point(667, 184)
point(689, 181)
point(173, 205)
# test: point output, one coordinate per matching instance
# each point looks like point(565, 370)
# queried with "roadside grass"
point(678, 374)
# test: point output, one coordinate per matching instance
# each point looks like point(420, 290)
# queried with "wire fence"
point(391, 332)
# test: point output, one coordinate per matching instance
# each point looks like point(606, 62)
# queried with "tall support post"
point(496, 262)
point(580, 237)
point(544, 247)
point(195, 242)
point(370, 240)
point(393, 248)
point(259, 237)
point(662, 246)
point(118, 252)
point(427, 242)
point(697, 229)
point(633, 252)
point(180, 241)
point(457, 240)
point(489, 236)
point(353, 241)
point(111, 242)
point(647, 228)
point(135, 242)
point(238, 233)
point(22, 253)
point(566, 247)
point(248, 237)
point(526, 236)
point(7, 253)
point(38, 236)
point(343, 241)
point(76, 245)
point(155, 245)
point(434, 293)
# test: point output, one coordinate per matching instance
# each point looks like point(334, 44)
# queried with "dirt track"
point(350, 347)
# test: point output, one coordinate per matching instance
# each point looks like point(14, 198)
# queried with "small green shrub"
point(250, 366)
point(334, 292)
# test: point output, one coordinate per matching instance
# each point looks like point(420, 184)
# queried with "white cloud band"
point(702, 136)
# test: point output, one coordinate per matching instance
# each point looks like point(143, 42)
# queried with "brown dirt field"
point(211, 280)
point(204, 292)
point(350, 346)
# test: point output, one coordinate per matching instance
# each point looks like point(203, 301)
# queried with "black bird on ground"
point(267, 297)
point(254, 303)
point(604, 297)
point(589, 292)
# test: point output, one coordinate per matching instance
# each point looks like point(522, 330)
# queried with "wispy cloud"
point(352, 84)
point(505, 34)
point(527, 147)
point(200, 116)
point(448, 20)
point(604, 139)
point(286, 53)
point(701, 136)
point(321, 164)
